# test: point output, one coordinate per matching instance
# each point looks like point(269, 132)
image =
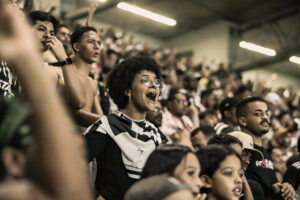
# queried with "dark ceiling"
point(271, 23)
point(192, 14)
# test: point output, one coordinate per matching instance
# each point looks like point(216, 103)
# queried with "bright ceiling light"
point(295, 59)
point(146, 13)
point(257, 48)
point(102, 1)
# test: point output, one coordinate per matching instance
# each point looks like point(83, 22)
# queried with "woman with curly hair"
point(122, 141)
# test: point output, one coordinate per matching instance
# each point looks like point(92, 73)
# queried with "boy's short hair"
point(241, 108)
point(35, 16)
point(77, 34)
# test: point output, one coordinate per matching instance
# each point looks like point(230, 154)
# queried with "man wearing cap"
point(253, 118)
point(229, 120)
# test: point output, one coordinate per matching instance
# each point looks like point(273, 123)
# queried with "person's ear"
point(207, 182)
point(128, 92)
point(242, 121)
point(76, 46)
point(14, 162)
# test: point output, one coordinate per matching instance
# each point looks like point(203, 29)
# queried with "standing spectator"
point(121, 142)
point(253, 118)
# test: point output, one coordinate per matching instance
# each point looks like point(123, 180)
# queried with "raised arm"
point(91, 13)
point(60, 172)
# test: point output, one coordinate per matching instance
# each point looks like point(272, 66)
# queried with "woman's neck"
point(133, 113)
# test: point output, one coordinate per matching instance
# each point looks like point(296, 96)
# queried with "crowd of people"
point(87, 114)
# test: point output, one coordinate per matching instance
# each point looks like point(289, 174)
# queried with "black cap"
point(228, 103)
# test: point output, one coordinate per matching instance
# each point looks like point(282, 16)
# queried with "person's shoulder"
point(296, 165)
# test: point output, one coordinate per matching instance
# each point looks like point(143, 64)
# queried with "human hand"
point(16, 38)
point(92, 8)
point(287, 191)
point(58, 49)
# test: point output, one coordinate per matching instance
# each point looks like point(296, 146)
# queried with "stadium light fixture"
point(257, 48)
point(295, 59)
point(146, 13)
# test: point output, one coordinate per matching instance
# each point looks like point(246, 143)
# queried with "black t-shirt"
point(264, 174)
point(292, 175)
point(121, 147)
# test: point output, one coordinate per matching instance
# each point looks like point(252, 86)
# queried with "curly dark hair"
point(121, 77)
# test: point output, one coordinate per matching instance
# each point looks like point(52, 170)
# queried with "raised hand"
point(16, 38)
point(58, 49)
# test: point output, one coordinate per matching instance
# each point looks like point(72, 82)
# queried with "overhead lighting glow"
point(102, 1)
point(146, 13)
point(257, 48)
point(295, 59)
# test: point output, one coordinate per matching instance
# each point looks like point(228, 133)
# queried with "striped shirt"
point(121, 147)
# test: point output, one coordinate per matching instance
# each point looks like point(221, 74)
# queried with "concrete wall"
point(209, 43)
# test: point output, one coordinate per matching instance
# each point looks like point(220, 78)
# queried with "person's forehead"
point(146, 73)
point(180, 96)
point(258, 105)
point(63, 29)
point(90, 34)
point(46, 24)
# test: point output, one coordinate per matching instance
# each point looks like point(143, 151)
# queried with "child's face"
point(227, 180)
point(188, 171)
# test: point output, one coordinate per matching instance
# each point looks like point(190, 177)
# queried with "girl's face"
point(227, 180)
point(144, 91)
point(188, 171)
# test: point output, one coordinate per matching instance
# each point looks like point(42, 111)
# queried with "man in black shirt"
point(253, 118)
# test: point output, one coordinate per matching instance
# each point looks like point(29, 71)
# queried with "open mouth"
point(237, 191)
point(151, 96)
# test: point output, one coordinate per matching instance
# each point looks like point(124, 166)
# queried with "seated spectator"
point(124, 139)
point(178, 161)
point(208, 118)
point(243, 92)
point(201, 135)
point(292, 174)
point(278, 162)
point(209, 100)
point(159, 187)
point(155, 116)
point(221, 172)
point(228, 111)
point(174, 118)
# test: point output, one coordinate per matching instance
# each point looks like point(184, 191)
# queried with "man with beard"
point(63, 33)
point(254, 119)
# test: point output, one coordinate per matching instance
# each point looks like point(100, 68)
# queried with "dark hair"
point(202, 115)
point(42, 16)
point(212, 156)
point(241, 108)
point(208, 131)
point(176, 90)
point(206, 93)
point(227, 104)
point(225, 140)
point(76, 35)
point(121, 77)
point(62, 26)
point(169, 156)
point(241, 89)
